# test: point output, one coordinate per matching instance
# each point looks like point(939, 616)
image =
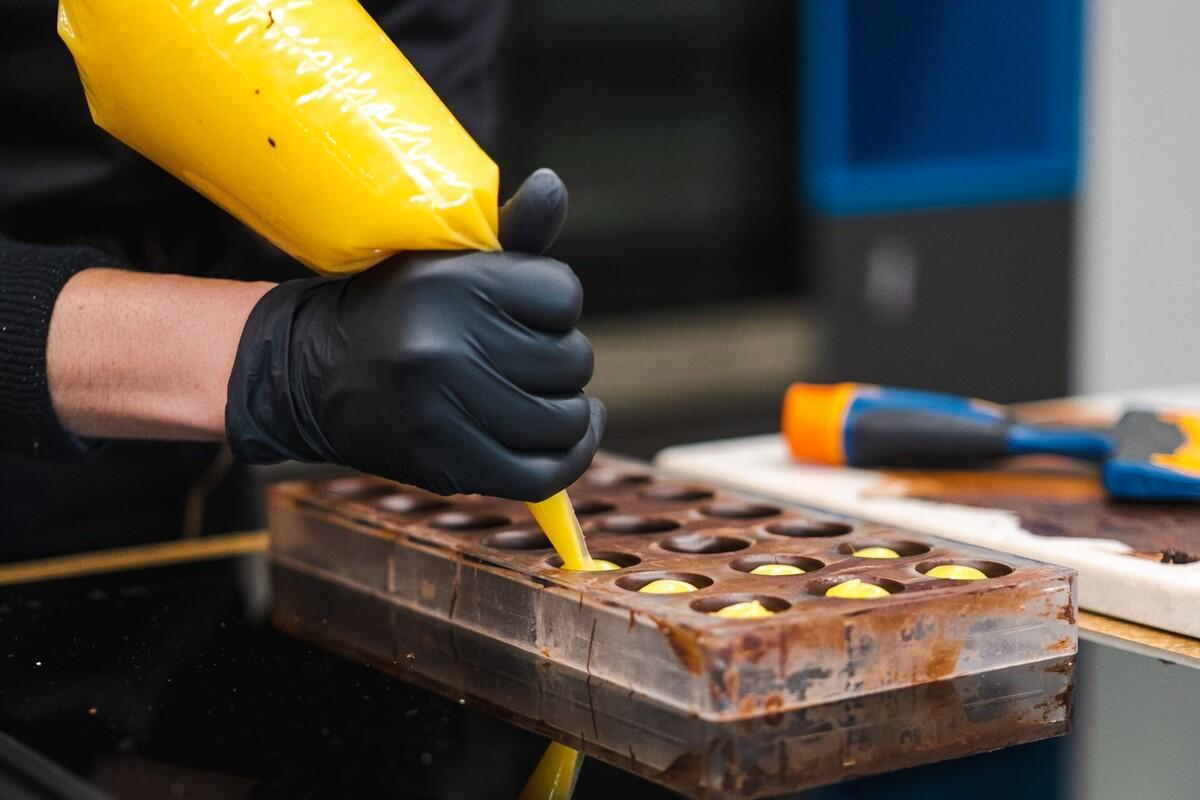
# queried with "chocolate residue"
point(1067, 612)
point(685, 644)
point(1065, 500)
point(798, 681)
point(943, 658)
point(1173, 556)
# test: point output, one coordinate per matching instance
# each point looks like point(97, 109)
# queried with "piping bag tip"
point(556, 517)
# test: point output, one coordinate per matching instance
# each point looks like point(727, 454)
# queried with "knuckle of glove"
point(580, 361)
point(539, 423)
point(564, 288)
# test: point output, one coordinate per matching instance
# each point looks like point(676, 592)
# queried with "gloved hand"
point(456, 372)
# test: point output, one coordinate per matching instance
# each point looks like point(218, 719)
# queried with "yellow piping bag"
point(299, 117)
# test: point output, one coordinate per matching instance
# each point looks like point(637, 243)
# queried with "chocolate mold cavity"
point(468, 521)
point(586, 506)
point(677, 492)
point(526, 539)
point(403, 503)
point(993, 569)
point(638, 523)
point(739, 509)
point(622, 560)
point(707, 605)
point(904, 549)
point(702, 542)
point(808, 528)
point(749, 563)
point(820, 586)
point(637, 580)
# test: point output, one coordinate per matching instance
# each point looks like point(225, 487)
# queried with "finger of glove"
point(536, 476)
point(495, 470)
point(538, 292)
point(544, 363)
point(524, 421)
point(532, 218)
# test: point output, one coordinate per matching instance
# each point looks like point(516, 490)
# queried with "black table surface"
point(170, 682)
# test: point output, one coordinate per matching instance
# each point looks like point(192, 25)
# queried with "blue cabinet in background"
point(923, 103)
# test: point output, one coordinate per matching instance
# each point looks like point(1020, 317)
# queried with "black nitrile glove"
point(457, 372)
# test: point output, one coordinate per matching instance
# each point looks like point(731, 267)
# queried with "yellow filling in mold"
point(667, 586)
point(750, 609)
point(600, 565)
point(956, 572)
point(876, 552)
point(855, 589)
point(776, 569)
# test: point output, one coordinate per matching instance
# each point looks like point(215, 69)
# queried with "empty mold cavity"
point(636, 581)
point(820, 586)
point(518, 540)
point(707, 605)
point(586, 506)
point(622, 560)
point(677, 492)
point(638, 523)
point(903, 549)
point(401, 503)
point(993, 569)
point(738, 509)
point(807, 528)
point(749, 563)
point(701, 542)
point(468, 521)
point(615, 477)
point(355, 488)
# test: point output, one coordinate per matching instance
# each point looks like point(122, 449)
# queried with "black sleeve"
point(31, 277)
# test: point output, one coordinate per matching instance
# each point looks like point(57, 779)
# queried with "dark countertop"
point(170, 682)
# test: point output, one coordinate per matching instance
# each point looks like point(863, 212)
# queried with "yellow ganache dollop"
point(956, 572)
point(855, 589)
point(595, 565)
point(876, 552)
point(750, 609)
point(667, 586)
point(776, 569)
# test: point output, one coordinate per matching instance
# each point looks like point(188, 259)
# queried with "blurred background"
point(993, 197)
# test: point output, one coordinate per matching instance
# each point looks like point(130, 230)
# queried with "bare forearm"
point(140, 356)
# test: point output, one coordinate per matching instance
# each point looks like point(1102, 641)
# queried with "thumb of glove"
point(532, 218)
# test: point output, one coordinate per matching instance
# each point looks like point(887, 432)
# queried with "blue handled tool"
point(1147, 456)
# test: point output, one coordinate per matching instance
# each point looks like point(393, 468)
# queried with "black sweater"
point(72, 197)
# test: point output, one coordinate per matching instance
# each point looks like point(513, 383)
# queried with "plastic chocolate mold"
point(770, 755)
point(478, 563)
